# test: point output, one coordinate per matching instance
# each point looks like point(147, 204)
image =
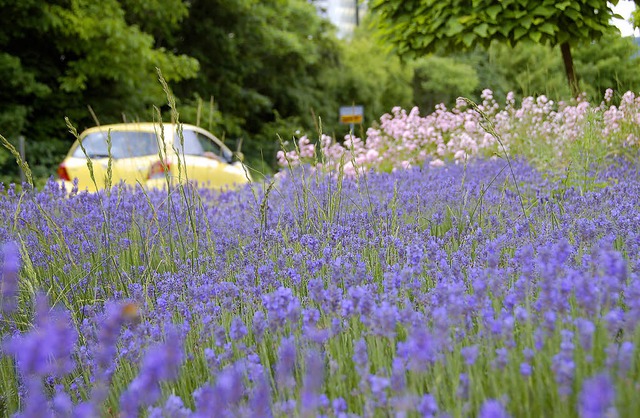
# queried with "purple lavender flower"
point(528, 353)
point(220, 335)
point(260, 399)
point(339, 406)
point(173, 407)
point(620, 357)
point(315, 289)
point(281, 306)
point(36, 405)
point(286, 408)
point(161, 363)
point(420, 350)
point(382, 320)
point(470, 354)
point(205, 400)
point(525, 369)
point(521, 314)
point(316, 335)
point(48, 348)
point(378, 386)
point(85, 409)
point(360, 356)
point(310, 316)
point(111, 323)
point(362, 299)
point(286, 363)
point(614, 320)
point(9, 278)
point(501, 359)
point(597, 397)
point(259, 325)
point(492, 408)
point(211, 358)
point(463, 386)
point(550, 319)
point(61, 404)
point(439, 297)
point(398, 380)
point(539, 337)
point(229, 387)
point(428, 406)
point(563, 364)
point(237, 330)
point(312, 382)
point(585, 329)
point(336, 325)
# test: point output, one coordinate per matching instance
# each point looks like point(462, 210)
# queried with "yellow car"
point(195, 155)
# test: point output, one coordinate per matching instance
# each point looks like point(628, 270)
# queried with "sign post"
point(351, 115)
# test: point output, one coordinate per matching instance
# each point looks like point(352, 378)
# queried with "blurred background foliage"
point(246, 70)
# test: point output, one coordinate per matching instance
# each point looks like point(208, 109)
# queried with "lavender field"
point(490, 287)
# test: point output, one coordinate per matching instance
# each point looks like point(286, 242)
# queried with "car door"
point(206, 159)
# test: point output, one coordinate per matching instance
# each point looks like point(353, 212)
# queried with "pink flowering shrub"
point(622, 123)
point(539, 129)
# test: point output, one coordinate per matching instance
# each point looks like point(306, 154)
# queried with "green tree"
point(530, 69)
point(611, 62)
point(61, 56)
point(368, 74)
point(263, 64)
point(417, 27)
point(442, 80)
point(533, 69)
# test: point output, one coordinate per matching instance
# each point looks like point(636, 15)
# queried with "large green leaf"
point(548, 28)
point(573, 14)
point(481, 30)
point(526, 21)
point(493, 11)
point(519, 32)
point(535, 36)
point(506, 29)
point(468, 39)
point(544, 10)
point(454, 27)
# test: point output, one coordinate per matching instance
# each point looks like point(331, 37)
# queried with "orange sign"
point(351, 119)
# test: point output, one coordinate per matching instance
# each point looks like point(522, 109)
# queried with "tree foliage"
point(527, 69)
point(370, 74)
point(260, 61)
point(612, 62)
point(442, 80)
point(59, 57)
point(265, 70)
point(275, 69)
point(534, 69)
point(418, 27)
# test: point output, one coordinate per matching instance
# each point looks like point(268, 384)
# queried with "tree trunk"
point(568, 67)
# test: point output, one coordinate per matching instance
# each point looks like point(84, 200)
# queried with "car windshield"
point(124, 144)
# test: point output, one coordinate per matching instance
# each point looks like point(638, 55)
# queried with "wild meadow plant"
point(421, 292)
point(549, 135)
point(485, 288)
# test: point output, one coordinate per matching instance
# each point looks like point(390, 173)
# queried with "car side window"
point(208, 145)
point(192, 145)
